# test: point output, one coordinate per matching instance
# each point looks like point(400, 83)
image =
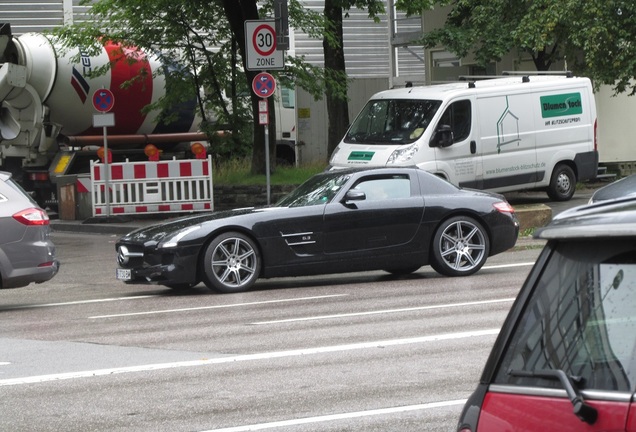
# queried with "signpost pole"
point(106, 174)
point(267, 169)
point(103, 101)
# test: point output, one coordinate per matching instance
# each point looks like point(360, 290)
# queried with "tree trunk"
point(237, 12)
point(337, 105)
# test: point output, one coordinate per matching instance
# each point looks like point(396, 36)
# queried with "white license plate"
point(124, 274)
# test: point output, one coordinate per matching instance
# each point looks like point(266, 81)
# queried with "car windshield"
point(319, 189)
point(392, 121)
point(580, 319)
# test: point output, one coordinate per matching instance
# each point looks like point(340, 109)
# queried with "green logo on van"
point(360, 156)
point(561, 105)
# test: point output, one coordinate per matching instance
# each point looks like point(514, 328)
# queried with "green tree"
point(206, 39)
point(594, 37)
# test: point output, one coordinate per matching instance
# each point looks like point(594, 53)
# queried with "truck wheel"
point(232, 263)
point(562, 183)
point(460, 247)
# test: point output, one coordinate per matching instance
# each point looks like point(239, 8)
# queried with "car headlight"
point(172, 240)
point(403, 155)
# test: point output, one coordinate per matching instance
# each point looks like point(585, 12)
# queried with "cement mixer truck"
point(47, 108)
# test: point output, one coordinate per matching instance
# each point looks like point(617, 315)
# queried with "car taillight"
point(32, 216)
point(504, 207)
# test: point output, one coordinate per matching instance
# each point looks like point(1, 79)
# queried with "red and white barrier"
point(171, 186)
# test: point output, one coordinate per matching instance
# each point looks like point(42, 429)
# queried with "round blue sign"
point(103, 100)
point(264, 84)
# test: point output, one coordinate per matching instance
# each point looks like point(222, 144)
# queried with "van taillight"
point(595, 139)
point(32, 216)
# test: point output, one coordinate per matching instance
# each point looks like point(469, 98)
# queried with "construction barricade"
point(167, 186)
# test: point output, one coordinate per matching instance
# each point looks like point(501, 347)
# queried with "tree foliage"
point(596, 38)
point(203, 43)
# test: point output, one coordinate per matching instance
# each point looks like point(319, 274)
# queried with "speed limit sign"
point(260, 43)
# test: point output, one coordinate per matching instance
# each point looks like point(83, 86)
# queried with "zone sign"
point(260, 41)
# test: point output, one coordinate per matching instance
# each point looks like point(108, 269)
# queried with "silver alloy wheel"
point(563, 183)
point(233, 263)
point(461, 247)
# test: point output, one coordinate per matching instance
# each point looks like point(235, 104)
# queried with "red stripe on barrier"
point(116, 172)
point(187, 207)
point(164, 207)
point(118, 210)
point(141, 209)
point(140, 171)
point(97, 173)
point(206, 206)
point(205, 168)
point(185, 169)
point(81, 187)
point(162, 170)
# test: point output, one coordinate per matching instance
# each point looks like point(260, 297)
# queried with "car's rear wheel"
point(562, 183)
point(460, 247)
point(231, 263)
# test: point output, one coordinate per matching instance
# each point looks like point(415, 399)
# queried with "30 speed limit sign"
point(260, 43)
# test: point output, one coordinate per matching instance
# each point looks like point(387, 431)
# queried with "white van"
point(501, 134)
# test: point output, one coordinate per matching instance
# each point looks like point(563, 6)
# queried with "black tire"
point(232, 263)
point(460, 247)
point(562, 183)
point(402, 271)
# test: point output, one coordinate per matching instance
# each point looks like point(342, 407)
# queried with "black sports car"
point(393, 219)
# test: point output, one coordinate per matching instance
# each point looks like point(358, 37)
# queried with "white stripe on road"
point(217, 306)
point(526, 264)
point(78, 302)
point(246, 357)
point(385, 311)
point(343, 416)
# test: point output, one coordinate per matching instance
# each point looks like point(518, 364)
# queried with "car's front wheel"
point(460, 247)
point(231, 263)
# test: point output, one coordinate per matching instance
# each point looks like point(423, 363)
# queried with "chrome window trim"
point(559, 393)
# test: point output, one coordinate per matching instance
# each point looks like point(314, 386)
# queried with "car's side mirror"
point(443, 137)
point(355, 195)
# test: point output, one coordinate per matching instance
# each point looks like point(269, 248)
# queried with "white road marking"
point(246, 357)
point(343, 416)
point(164, 311)
point(526, 264)
point(5, 363)
point(385, 311)
point(78, 302)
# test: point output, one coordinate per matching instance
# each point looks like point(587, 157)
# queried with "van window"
point(392, 121)
point(458, 117)
point(580, 319)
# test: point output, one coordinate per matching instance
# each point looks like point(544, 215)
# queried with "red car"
point(565, 359)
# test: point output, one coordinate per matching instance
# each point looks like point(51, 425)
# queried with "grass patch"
point(237, 172)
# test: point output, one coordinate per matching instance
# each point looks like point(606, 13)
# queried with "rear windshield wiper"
point(583, 411)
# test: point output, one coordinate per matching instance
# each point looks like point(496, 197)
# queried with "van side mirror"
point(443, 137)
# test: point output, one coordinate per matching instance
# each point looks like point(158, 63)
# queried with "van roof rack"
point(538, 73)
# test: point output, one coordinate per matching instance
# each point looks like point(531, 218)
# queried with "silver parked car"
point(27, 253)
point(622, 188)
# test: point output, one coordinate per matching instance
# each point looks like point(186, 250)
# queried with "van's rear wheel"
point(562, 183)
